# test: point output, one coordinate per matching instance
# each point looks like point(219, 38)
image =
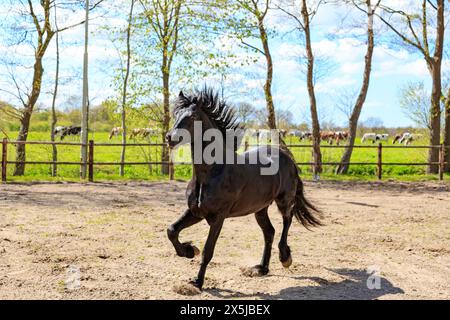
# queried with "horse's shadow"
point(354, 287)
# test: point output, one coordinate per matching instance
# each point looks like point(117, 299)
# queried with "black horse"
point(221, 190)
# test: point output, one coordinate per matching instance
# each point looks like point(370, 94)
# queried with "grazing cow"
point(71, 131)
point(382, 137)
point(375, 137)
point(150, 132)
point(340, 136)
point(327, 136)
point(397, 138)
point(369, 137)
point(300, 134)
point(306, 135)
point(135, 133)
point(143, 132)
point(115, 132)
point(407, 138)
point(294, 133)
point(59, 131)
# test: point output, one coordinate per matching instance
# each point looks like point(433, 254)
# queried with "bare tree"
point(284, 118)
point(245, 112)
point(415, 102)
point(259, 9)
point(345, 101)
point(370, 10)
point(54, 94)
point(447, 131)
point(124, 89)
point(417, 33)
point(163, 18)
point(302, 14)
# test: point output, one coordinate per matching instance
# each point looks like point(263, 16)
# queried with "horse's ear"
point(181, 94)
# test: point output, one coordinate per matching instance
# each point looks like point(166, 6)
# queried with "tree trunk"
point(20, 148)
point(447, 133)
point(435, 117)
point(354, 117)
point(271, 122)
point(434, 66)
point(166, 121)
point(317, 156)
point(54, 118)
point(124, 94)
point(26, 117)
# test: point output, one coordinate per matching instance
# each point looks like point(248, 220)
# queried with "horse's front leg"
point(183, 249)
point(208, 251)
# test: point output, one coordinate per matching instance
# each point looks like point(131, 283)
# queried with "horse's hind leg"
point(264, 222)
point(285, 206)
point(183, 249)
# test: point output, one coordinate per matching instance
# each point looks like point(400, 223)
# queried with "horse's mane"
point(223, 115)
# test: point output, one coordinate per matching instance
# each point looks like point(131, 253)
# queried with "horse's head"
point(187, 111)
point(203, 107)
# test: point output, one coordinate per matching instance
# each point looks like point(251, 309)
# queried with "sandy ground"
point(108, 241)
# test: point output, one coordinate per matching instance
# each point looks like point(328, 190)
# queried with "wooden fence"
point(91, 163)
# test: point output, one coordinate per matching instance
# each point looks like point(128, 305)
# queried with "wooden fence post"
point(171, 168)
point(441, 162)
point(4, 158)
point(91, 161)
point(380, 160)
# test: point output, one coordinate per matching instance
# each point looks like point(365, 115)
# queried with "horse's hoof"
point(196, 250)
point(288, 262)
point(187, 289)
point(190, 251)
point(256, 271)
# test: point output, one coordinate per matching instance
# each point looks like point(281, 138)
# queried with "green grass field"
point(153, 172)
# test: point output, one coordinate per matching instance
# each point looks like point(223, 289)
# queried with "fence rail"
point(91, 163)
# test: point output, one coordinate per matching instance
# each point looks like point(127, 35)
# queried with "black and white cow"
point(59, 131)
point(70, 131)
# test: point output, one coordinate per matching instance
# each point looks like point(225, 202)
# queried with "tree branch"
point(252, 47)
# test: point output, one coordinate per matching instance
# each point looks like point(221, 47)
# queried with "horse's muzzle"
point(169, 140)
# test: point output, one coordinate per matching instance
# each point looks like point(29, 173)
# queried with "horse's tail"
point(305, 212)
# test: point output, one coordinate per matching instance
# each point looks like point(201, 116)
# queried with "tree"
point(33, 26)
point(245, 113)
point(447, 131)
point(302, 15)
point(356, 112)
point(415, 102)
point(164, 19)
point(258, 10)
point(345, 101)
point(284, 118)
point(418, 31)
point(55, 92)
point(125, 87)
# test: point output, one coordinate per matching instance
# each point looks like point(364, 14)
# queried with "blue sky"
point(392, 68)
